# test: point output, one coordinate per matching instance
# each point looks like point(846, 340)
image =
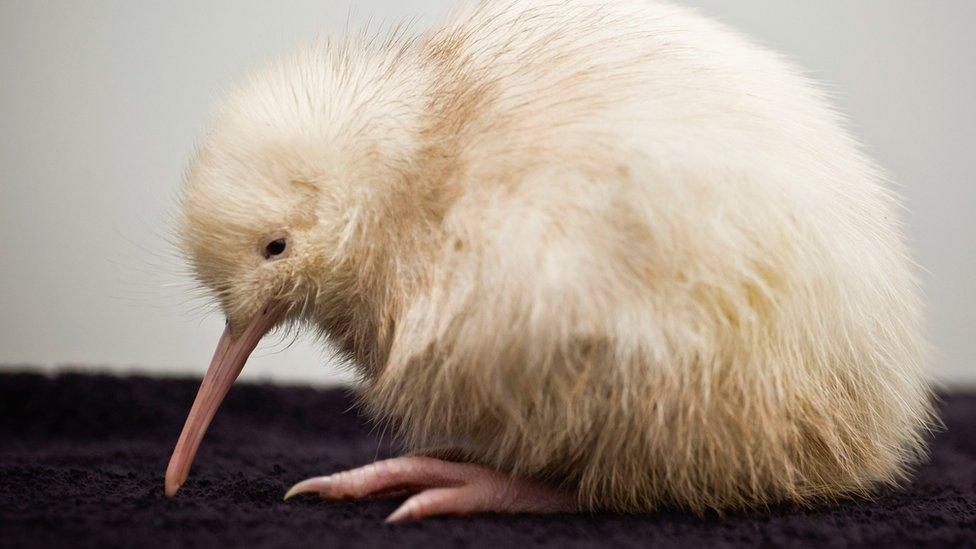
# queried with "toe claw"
point(401, 515)
point(314, 484)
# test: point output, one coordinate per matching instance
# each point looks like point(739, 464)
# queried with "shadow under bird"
point(583, 256)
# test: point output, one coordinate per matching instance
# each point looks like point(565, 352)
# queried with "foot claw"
point(314, 484)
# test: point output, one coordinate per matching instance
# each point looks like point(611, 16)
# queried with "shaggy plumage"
point(612, 246)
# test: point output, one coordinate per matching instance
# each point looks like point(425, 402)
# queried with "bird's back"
point(664, 272)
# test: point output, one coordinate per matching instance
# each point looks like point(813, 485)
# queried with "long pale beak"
point(228, 361)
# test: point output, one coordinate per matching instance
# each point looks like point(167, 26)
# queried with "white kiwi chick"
point(584, 255)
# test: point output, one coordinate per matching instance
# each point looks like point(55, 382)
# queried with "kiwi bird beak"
point(228, 361)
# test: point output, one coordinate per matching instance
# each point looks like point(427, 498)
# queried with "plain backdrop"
point(100, 104)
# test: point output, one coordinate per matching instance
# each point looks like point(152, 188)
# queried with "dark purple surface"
point(82, 461)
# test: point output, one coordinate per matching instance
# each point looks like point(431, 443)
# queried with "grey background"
point(101, 101)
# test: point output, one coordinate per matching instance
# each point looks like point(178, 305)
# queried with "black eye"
point(275, 247)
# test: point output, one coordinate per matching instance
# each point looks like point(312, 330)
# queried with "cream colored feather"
point(613, 246)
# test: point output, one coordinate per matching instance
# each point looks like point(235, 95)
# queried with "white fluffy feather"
point(610, 245)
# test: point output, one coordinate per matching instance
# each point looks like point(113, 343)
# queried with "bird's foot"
point(437, 487)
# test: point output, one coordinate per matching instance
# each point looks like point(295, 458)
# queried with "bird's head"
point(294, 196)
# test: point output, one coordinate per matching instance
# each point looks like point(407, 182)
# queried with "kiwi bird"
point(583, 255)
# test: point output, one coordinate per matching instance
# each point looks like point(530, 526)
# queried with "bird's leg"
point(438, 487)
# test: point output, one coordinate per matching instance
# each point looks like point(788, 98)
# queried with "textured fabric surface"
point(82, 461)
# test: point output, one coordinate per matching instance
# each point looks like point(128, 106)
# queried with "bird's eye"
point(275, 248)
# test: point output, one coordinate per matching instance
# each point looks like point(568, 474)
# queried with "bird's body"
point(609, 246)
